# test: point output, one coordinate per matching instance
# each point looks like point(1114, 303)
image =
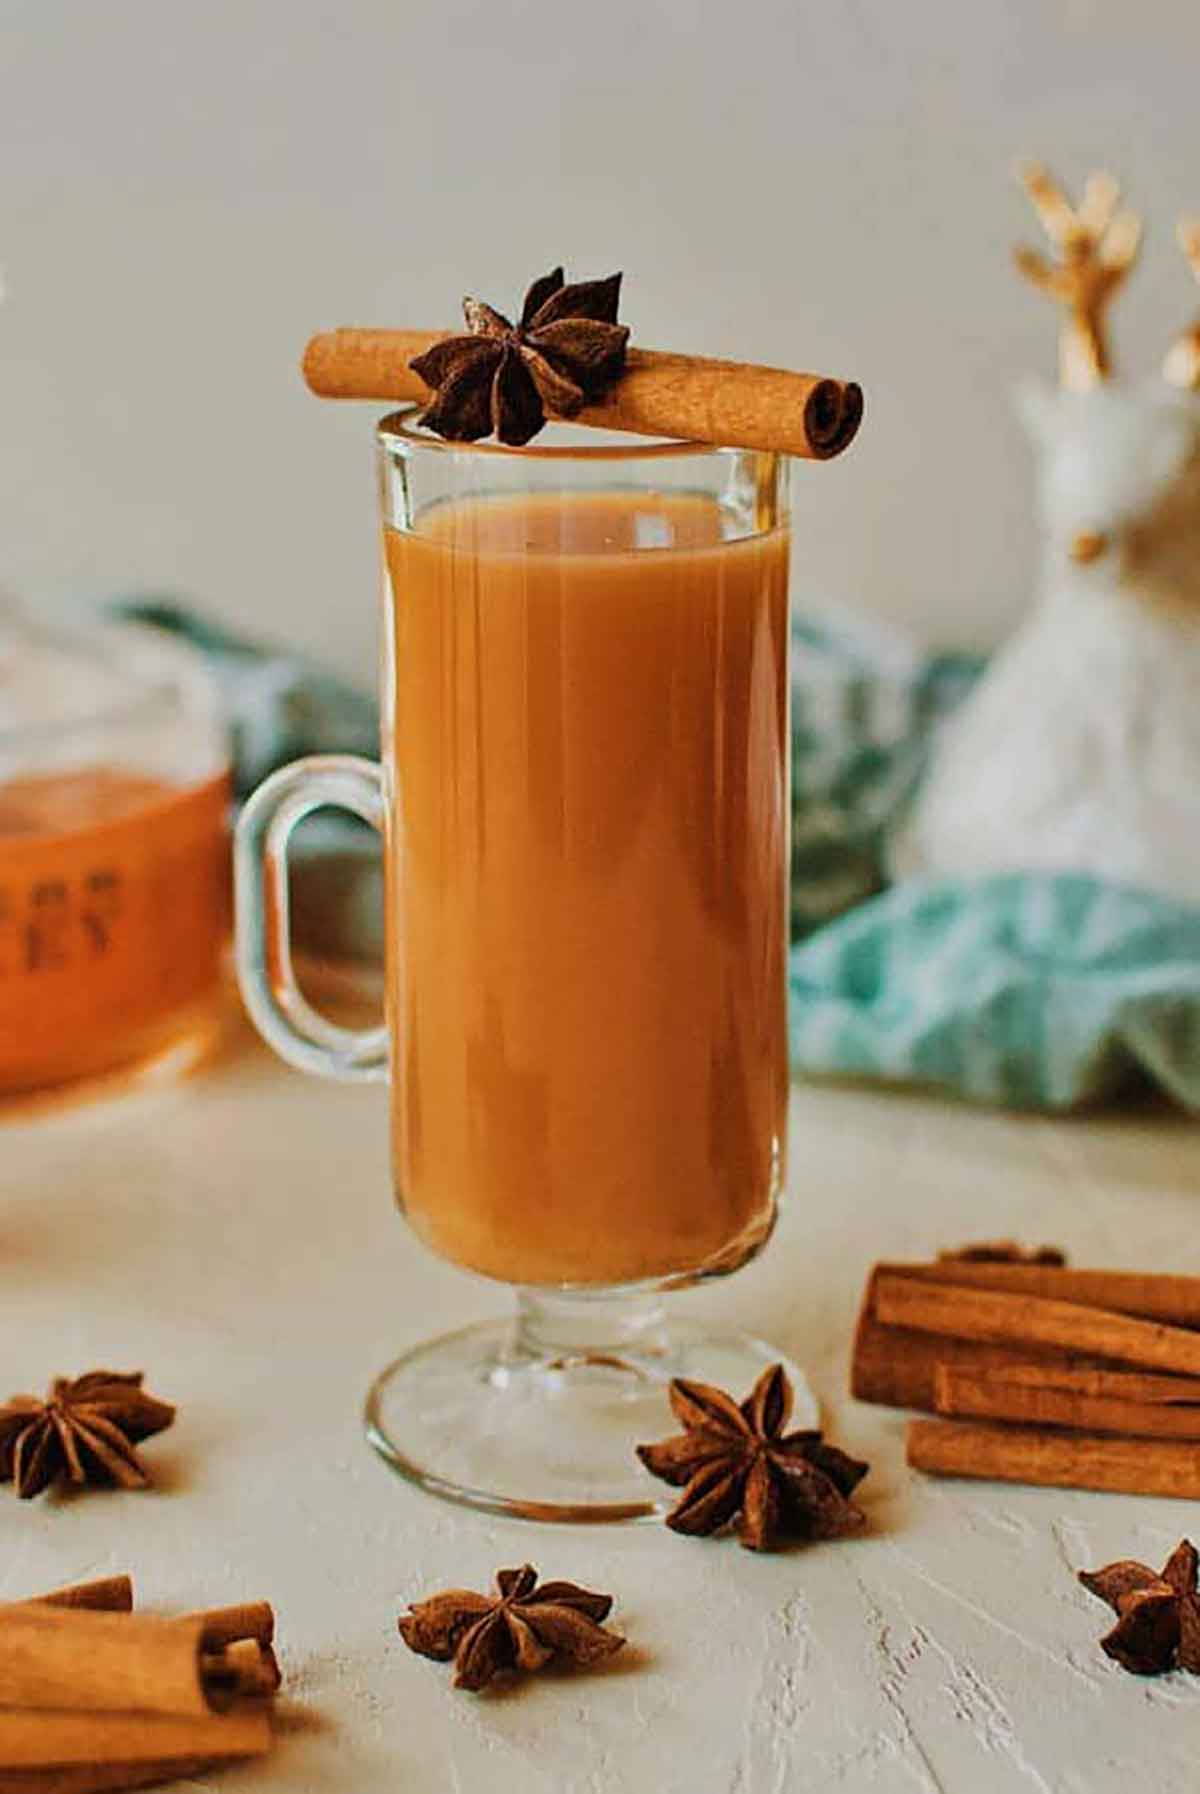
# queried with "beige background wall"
point(187, 190)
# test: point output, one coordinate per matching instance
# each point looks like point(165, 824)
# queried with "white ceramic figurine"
point(1079, 750)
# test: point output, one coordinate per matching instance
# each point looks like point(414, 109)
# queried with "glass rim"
point(397, 427)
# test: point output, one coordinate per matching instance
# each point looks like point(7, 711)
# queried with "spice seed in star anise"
point(522, 1627)
point(84, 1432)
point(738, 1467)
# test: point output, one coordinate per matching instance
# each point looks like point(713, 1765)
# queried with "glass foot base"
point(503, 1418)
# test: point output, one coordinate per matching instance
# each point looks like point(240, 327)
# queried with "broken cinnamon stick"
point(685, 397)
point(1005, 1317)
point(70, 1658)
point(1019, 1454)
point(986, 1395)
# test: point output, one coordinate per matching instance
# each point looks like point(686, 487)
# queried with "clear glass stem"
point(564, 1330)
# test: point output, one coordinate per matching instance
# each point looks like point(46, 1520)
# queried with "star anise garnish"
point(1004, 1252)
point(1158, 1612)
point(84, 1432)
point(738, 1466)
point(521, 1627)
point(502, 377)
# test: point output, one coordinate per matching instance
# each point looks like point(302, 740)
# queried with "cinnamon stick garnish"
point(1019, 1454)
point(1009, 1318)
point(686, 397)
point(58, 1657)
point(987, 1395)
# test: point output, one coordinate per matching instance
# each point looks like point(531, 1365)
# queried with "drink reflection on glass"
point(584, 797)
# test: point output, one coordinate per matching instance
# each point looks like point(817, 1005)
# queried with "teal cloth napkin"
point(1038, 992)
point(864, 708)
point(1032, 991)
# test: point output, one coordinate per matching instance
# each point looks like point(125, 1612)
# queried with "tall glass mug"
point(584, 804)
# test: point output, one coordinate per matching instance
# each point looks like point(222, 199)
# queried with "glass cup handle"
point(299, 1033)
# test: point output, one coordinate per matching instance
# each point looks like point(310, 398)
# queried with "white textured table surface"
point(235, 1237)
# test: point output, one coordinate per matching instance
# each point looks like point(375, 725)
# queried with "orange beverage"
point(113, 919)
point(587, 799)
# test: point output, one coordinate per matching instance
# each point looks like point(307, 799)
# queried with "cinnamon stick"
point(1149, 1295)
point(896, 1366)
point(102, 1778)
point(1021, 1454)
point(59, 1657)
point(226, 1625)
point(31, 1739)
point(250, 1669)
point(686, 397)
point(72, 1751)
point(1009, 1318)
point(238, 1648)
point(109, 1594)
point(1122, 1385)
point(984, 1395)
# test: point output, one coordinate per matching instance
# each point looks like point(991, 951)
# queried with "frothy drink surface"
point(587, 935)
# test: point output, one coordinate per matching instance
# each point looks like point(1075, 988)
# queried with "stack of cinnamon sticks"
point(94, 1697)
point(1043, 1373)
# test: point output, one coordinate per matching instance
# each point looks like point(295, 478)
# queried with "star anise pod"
point(521, 1627)
point(502, 377)
point(84, 1432)
point(737, 1465)
point(1004, 1252)
point(1158, 1612)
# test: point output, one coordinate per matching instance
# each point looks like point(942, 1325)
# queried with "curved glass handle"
point(277, 1007)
